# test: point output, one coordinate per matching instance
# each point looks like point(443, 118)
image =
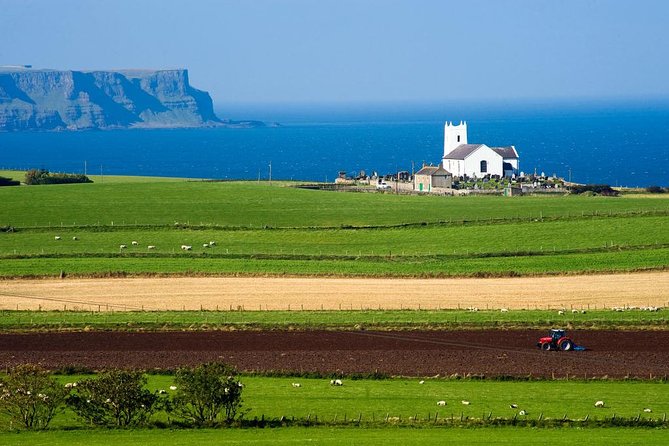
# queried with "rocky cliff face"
point(79, 100)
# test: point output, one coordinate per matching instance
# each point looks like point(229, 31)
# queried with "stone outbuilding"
point(432, 177)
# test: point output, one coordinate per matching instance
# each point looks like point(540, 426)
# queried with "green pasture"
point(249, 204)
point(395, 405)
point(349, 436)
point(106, 318)
point(612, 260)
point(537, 237)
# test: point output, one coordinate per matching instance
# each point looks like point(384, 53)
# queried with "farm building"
point(475, 160)
point(431, 177)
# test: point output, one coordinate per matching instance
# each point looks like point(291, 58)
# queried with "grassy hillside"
point(320, 232)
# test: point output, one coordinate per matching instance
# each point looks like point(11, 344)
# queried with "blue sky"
point(311, 51)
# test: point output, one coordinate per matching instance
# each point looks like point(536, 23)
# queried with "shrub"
point(206, 392)
point(4, 181)
point(655, 190)
point(599, 189)
point(42, 176)
point(30, 396)
point(114, 398)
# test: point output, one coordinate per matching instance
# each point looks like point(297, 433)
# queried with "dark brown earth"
point(489, 352)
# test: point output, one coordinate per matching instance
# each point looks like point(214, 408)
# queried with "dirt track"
point(335, 293)
point(493, 353)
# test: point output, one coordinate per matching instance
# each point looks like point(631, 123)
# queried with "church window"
point(484, 166)
point(458, 138)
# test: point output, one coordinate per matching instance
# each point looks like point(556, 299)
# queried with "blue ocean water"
point(619, 143)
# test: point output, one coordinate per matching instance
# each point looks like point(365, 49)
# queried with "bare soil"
point(490, 352)
point(273, 293)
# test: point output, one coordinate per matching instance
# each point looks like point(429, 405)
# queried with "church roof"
point(433, 170)
point(506, 152)
point(462, 151)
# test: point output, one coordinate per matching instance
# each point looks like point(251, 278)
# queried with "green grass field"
point(323, 232)
point(347, 436)
point(345, 319)
point(391, 403)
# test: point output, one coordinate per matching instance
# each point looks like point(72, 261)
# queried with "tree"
point(30, 396)
point(115, 398)
point(207, 393)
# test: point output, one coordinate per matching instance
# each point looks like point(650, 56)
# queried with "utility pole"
point(102, 178)
point(85, 167)
point(570, 174)
point(270, 173)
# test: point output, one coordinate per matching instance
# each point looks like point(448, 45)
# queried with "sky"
point(346, 51)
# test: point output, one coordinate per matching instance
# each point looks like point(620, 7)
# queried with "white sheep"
point(504, 310)
point(336, 382)
point(647, 410)
point(57, 237)
point(75, 238)
point(205, 245)
point(441, 403)
point(186, 247)
point(297, 385)
point(173, 387)
point(465, 402)
point(561, 312)
point(599, 404)
point(421, 381)
point(522, 413)
point(123, 246)
point(513, 406)
point(135, 243)
point(212, 243)
point(151, 247)
point(574, 311)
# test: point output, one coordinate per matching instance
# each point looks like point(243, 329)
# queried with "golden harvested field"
point(268, 293)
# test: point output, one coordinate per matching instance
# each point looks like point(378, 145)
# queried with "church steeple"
point(454, 135)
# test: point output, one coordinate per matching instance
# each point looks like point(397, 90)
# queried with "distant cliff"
point(81, 100)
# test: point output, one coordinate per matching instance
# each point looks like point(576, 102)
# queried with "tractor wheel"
point(546, 347)
point(567, 345)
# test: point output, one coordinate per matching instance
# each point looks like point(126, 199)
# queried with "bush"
point(42, 176)
point(30, 396)
point(4, 181)
point(206, 392)
point(655, 190)
point(598, 189)
point(114, 398)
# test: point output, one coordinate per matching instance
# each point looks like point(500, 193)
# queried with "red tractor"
point(556, 340)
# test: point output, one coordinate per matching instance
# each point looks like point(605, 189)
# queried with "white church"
point(475, 160)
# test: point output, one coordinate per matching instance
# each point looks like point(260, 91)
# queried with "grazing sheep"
point(441, 403)
point(75, 238)
point(150, 247)
point(336, 382)
point(123, 246)
point(466, 403)
point(504, 310)
point(135, 243)
point(57, 237)
point(421, 382)
point(173, 387)
point(513, 406)
point(522, 412)
point(186, 247)
point(599, 404)
point(647, 410)
point(212, 243)
point(560, 312)
point(205, 245)
point(297, 385)
point(162, 392)
point(574, 311)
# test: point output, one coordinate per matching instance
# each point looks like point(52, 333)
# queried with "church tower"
point(454, 135)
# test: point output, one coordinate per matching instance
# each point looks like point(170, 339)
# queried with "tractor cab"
point(556, 334)
point(557, 339)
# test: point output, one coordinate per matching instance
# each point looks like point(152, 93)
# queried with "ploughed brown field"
point(489, 352)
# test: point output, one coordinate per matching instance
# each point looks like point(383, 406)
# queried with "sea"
point(615, 142)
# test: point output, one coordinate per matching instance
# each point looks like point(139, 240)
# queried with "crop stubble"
point(315, 293)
